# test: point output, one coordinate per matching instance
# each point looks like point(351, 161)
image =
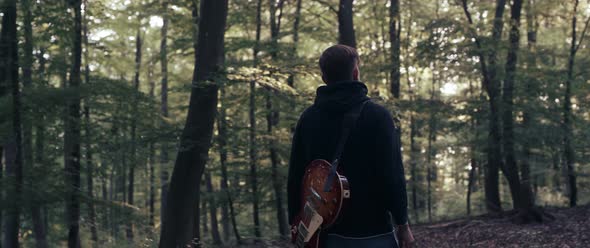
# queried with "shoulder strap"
point(348, 123)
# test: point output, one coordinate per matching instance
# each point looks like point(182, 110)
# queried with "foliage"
point(442, 98)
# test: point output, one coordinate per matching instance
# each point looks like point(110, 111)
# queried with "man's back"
point(371, 159)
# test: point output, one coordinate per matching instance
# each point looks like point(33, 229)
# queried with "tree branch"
point(322, 2)
point(475, 37)
point(281, 4)
point(583, 34)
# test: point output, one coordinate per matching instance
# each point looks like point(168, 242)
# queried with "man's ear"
point(356, 73)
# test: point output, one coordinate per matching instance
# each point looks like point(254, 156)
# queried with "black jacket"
point(371, 159)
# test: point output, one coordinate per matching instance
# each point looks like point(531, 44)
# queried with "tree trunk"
point(532, 24)
point(202, 201)
point(72, 135)
point(522, 194)
point(123, 152)
point(151, 156)
point(275, 26)
point(38, 228)
point(252, 129)
point(88, 148)
point(11, 216)
point(272, 119)
point(204, 221)
point(222, 142)
point(152, 182)
point(346, 34)
point(510, 165)
point(213, 211)
point(473, 160)
point(1, 174)
point(164, 110)
point(569, 154)
point(196, 137)
point(112, 197)
point(293, 54)
point(395, 38)
point(495, 138)
point(432, 125)
point(26, 66)
point(253, 159)
point(296, 28)
point(470, 182)
point(233, 218)
point(133, 155)
point(491, 84)
point(14, 160)
point(414, 150)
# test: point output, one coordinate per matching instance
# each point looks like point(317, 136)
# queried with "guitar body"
point(320, 209)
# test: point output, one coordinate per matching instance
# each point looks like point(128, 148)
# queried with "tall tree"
point(133, 155)
point(532, 26)
point(227, 210)
point(346, 34)
point(151, 156)
point(495, 137)
point(293, 51)
point(491, 83)
point(88, 136)
point(394, 38)
point(524, 195)
point(164, 109)
point(568, 150)
point(196, 136)
point(415, 177)
point(272, 119)
point(27, 80)
point(473, 162)
point(252, 128)
point(222, 133)
point(38, 229)
point(1, 173)
point(432, 127)
point(72, 133)
point(13, 152)
point(432, 130)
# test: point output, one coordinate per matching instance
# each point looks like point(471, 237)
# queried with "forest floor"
point(569, 229)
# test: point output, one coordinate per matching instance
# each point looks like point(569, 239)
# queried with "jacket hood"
point(340, 96)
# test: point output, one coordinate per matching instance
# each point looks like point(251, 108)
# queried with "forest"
point(155, 123)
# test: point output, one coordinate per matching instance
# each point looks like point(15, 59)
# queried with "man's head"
point(339, 63)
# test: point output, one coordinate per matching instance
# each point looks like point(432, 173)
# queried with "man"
point(371, 157)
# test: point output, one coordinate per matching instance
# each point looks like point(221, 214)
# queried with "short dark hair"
point(337, 63)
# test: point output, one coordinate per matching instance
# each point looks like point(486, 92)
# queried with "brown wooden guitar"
point(324, 193)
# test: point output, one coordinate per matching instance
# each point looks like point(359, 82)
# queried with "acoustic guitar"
point(324, 194)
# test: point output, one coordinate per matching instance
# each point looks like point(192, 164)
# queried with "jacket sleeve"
point(296, 172)
point(390, 168)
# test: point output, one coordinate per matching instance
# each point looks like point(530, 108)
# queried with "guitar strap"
point(348, 123)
